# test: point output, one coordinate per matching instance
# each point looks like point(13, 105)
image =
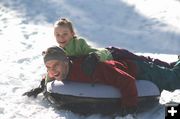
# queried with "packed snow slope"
point(145, 27)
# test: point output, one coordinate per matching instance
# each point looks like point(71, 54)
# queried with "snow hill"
point(145, 27)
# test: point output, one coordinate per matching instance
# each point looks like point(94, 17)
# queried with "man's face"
point(57, 69)
point(63, 35)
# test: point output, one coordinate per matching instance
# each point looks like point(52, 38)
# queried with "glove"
point(34, 92)
point(89, 64)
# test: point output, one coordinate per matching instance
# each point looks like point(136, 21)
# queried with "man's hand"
point(34, 92)
point(89, 64)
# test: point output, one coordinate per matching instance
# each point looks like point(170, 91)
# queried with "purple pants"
point(120, 54)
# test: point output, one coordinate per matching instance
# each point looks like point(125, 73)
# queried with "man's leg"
point(164, 78)
point(176, 68)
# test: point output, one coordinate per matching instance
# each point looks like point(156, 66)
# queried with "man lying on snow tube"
point(120, 74)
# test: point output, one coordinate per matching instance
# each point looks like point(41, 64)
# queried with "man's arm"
point(108, 73)
point(34, 92)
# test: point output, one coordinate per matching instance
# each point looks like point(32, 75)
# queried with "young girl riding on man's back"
point(75, 46)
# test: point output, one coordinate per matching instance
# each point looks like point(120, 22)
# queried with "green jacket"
point(79, 47)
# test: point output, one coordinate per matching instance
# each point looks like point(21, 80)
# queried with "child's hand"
point(89, 64)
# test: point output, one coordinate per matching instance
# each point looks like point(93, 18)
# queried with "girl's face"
point(63, 35)
point(57, 69)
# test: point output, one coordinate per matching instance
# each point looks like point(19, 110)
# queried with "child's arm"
point(79, 47)
point(102, 53)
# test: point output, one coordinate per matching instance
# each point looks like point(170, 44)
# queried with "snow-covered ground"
point(148, 27)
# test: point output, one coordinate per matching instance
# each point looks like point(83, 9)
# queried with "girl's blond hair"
point(64, 22)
